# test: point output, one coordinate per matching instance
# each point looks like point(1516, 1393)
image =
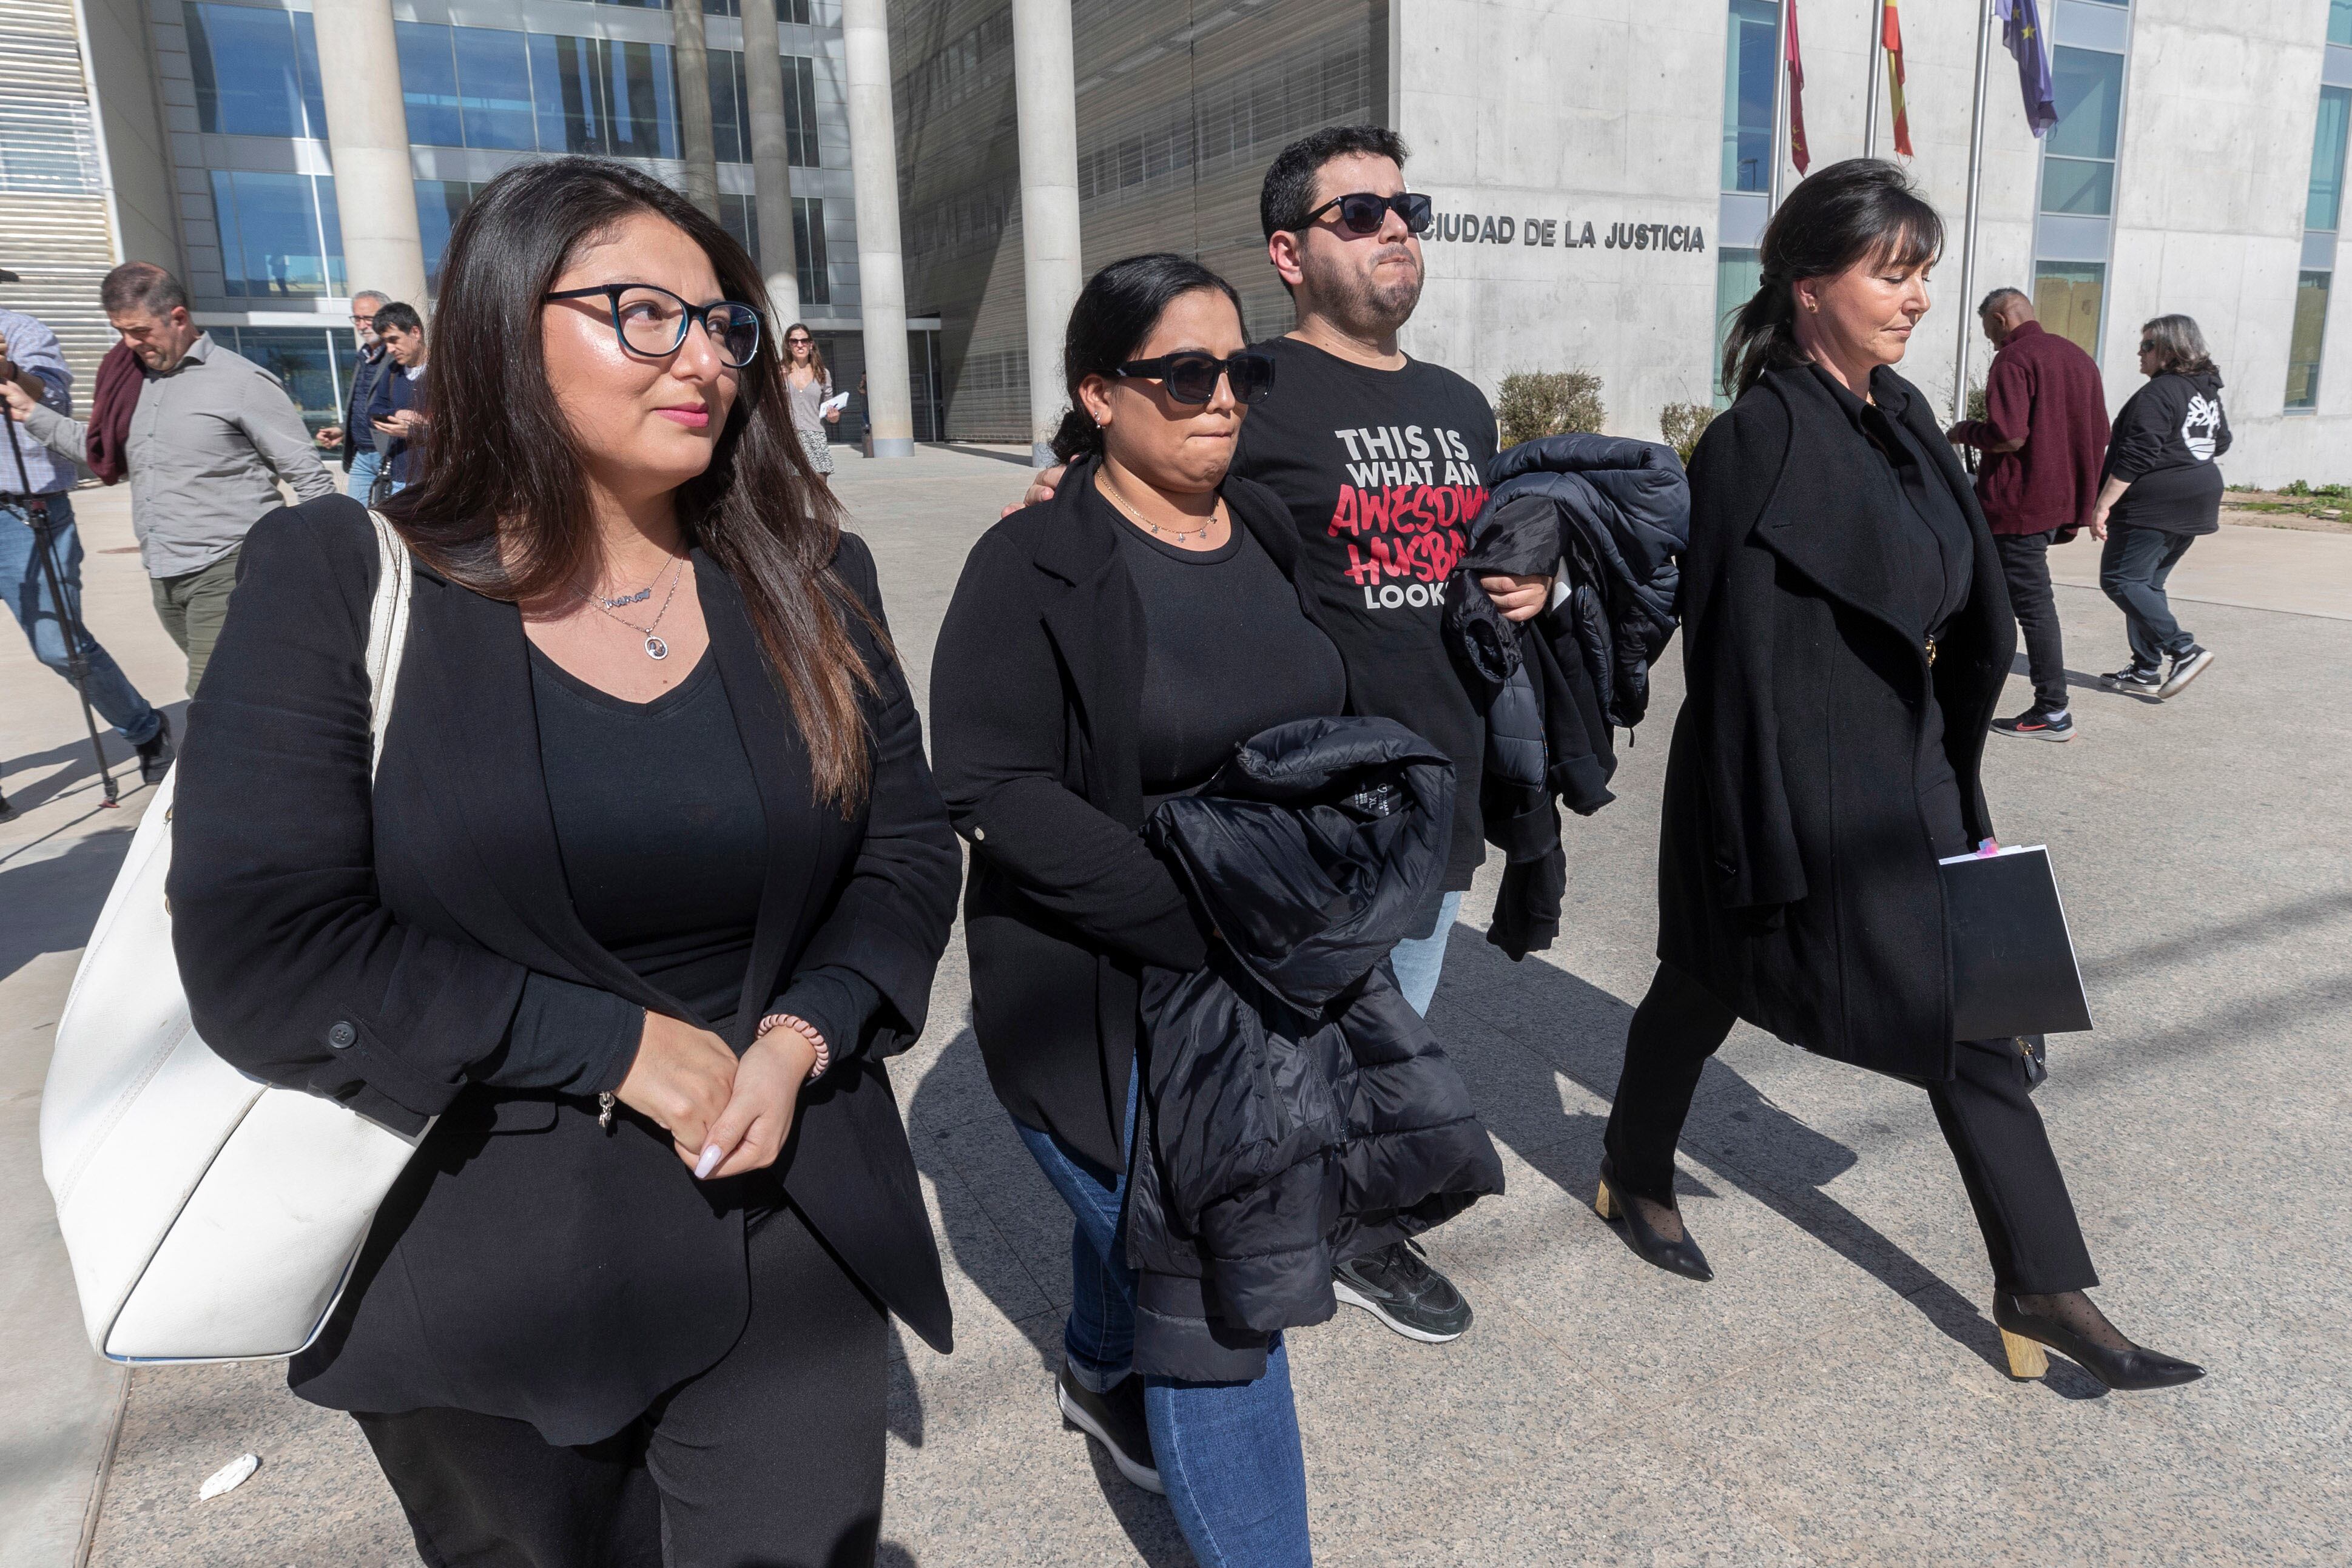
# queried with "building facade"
point(193, 133)
point(1603, 171)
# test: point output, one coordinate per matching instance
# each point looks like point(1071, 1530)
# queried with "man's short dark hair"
point(1999, 298)
point(1288, 195)
point(393, 316)
point(141, 286)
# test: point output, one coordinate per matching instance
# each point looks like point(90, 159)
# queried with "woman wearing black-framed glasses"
point(1107, 648)
point(649, 880)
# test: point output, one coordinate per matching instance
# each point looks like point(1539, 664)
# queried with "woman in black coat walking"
point(649, 879)
point(1845, 639)
point(2161, 491)
point(1106, 649)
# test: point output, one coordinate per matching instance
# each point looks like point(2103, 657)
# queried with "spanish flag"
point(1798, 153)
point(1890, 33)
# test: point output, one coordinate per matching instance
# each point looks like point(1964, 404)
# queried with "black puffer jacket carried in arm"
point(1296, 1111)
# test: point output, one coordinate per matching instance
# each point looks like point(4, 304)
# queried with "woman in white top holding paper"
point(1847, 635)
point(808, 385)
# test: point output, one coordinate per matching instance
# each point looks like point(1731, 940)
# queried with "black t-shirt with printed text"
point(1383, 472)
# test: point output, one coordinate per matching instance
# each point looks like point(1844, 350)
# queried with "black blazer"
point(372, 945)
point(1036, 705)
point(1796, 877)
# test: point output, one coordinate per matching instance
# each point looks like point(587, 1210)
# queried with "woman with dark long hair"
point(1106, 649)
point(2160, 492)
point(809, 384)
point(1845, 635)
point(650, 878)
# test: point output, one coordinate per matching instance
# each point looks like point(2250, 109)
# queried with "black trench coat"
point(1797, 879)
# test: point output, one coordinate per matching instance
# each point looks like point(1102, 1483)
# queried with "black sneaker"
point(155, 756)
point(1396, 1285)
point(2036, 723)
point(2187, 665)
point(2133, 678)
point(1116, 1421)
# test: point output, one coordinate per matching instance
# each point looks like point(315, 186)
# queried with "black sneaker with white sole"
point(2036, 723)
point(1396, 1285)
point(2133, 678)
point(1115, 1420)
point(2187, 665)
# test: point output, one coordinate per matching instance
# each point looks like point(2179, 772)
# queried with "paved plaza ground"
point(1837, 1395)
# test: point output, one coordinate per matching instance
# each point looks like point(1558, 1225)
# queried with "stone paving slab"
point(1836, 1396)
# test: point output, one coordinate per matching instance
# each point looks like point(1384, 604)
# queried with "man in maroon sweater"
point(2043, 438)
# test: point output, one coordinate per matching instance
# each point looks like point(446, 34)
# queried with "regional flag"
point(2021, 34)
point(1797, 153)
point(1890, 33)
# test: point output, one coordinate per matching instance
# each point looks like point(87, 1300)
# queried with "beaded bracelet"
point(808, 1030)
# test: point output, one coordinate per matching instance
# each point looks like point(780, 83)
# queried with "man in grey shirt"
point(211, 435)
point(34, 485)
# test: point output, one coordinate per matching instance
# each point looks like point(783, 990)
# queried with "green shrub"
point(2294, 487)
point(1682, 424)
point(1535, 404)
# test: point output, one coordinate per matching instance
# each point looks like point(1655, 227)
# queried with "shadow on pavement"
point(955, 1109)
point(49, 905)
point(1735, 1130)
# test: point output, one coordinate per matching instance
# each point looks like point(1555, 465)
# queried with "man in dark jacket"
point(397, 411)
point(2042, 437)
point(355, 439)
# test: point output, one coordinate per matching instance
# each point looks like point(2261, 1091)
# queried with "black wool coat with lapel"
point(1797, 879)
point(372, 945)
point(1037, 720)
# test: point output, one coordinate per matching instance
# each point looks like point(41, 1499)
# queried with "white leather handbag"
point(209, 1216)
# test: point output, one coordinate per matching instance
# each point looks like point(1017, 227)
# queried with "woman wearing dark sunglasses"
point(650, 878)
point(1107, 648)
point(809, 384)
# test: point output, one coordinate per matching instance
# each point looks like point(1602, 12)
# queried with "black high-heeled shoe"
point(1681, 1257)
point(2133, 1368)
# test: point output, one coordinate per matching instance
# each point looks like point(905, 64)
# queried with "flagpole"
point(1968, 229)
point(1870, 72)
point(1779, 101)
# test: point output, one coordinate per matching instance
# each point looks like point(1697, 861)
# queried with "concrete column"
point(881, 272)
point(367, 137)
point(1045, 85)
point(693, 136)
point(772, 164)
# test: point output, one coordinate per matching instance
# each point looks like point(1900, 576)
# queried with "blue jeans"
point(1419, 960)
point(364, 464)
point(2132, 569)
point(1227, 1452)
point(26, 587)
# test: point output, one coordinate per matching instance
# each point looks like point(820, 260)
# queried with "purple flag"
point(2021, 34)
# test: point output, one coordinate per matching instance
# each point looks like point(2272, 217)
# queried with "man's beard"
point(1378, 306)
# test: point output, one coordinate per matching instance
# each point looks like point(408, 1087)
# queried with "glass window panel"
point(331, 230)
point(439, 204)
point(563, 84)
point(2339, 21)
point(1739, 274)
point(735, 218)
point(720, 8)
point(428, 84)
point(799, 111)
point(305, 68)
point(2069, 295)
point(641, 92)
point(493, 88)
point(808, 250)
point(247, 81)
point(2304, 339)
point(2326, 204)
point(2090, 95)
point(275, 252)
point(2077, 185)
point(1750, 65)
point(792, 11)
point(304, 359)
point(731, 109)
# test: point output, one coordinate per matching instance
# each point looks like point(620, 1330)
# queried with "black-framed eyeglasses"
point(651, 321)
point(1193, 377)
point(1363, 213)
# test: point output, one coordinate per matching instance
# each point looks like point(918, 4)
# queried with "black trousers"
point(2025, 563)
point(1995, 1134)
point(771, 1458)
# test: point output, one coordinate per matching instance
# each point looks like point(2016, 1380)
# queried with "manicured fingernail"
point(711, 1155)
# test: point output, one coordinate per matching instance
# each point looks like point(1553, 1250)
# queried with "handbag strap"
point(388, 630)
